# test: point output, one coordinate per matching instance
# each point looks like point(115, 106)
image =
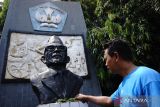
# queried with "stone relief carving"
point(25, 52)
point(47, 17)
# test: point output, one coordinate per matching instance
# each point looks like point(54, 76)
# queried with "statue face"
point(56, 54)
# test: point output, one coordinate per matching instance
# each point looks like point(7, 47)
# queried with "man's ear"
point(43, 59)
point(116, 56)
point(68, 59)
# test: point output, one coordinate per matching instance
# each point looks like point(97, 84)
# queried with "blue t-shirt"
point(140, 88)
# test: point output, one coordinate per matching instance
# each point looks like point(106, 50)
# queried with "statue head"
point(55, 53)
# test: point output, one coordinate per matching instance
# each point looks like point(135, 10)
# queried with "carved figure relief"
point(17, 65)
point(26, 50)
point(77, 62)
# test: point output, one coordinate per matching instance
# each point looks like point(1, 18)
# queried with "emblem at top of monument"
point(47, 17)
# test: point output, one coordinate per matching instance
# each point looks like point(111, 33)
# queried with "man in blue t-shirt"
point(140, 86)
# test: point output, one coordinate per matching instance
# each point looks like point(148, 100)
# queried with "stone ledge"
point(67, 104)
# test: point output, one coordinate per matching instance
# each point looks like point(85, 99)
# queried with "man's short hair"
point(121, 47)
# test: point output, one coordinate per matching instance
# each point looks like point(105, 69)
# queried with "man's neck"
point(127, 68)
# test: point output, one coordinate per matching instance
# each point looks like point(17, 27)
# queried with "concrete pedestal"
point(67, 104)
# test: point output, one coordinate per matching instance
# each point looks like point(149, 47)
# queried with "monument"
point(43, 55)
point(25, 50)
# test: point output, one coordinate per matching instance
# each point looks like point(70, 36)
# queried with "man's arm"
point(152, 92)
point(100, 100)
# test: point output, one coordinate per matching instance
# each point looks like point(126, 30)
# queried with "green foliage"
point(66, 100)
point(136, 21)
point(3, 13)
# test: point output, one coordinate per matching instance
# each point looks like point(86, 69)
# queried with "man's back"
point(137, 86)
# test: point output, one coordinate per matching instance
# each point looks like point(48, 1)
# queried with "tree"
point(136, 21)
point(3, 13)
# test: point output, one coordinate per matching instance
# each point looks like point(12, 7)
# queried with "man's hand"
point(100, 100)
point(81, 97)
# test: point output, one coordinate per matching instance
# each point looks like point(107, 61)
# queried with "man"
point(56, 82)
point(140, 86)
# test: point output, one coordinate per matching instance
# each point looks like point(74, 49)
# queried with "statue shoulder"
point(34, 79)
point(42, 75)
point(47, 73)
point(72, 75)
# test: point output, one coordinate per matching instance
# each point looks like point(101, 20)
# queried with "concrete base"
point(67, 104)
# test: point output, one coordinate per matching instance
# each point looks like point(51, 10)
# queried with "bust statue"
point(56, 82)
